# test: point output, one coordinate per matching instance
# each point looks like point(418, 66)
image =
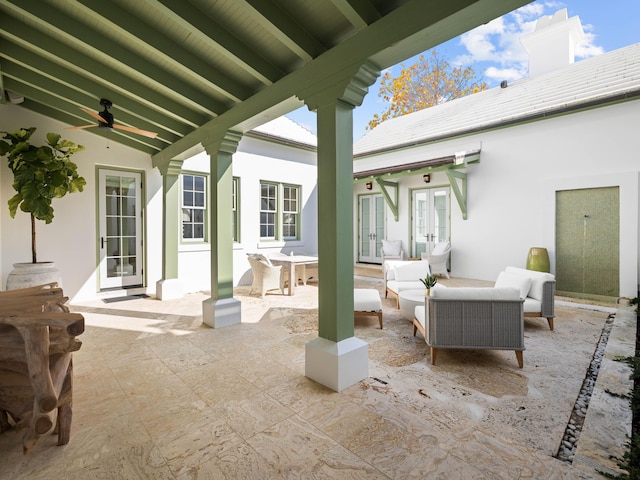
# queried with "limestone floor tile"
point(196, 442)
point(240, 461)
point(159, 426)
point(144, 371)
point(217, 383)
point(182, 361)
point(97, 382)
point(126, 354)
point(44, 460)
point(160, 398)
point(341, 464)
point(299, 393)
point(86, 408)
point(293, 446)
point(268, 374)
point(339, 417)
point(140, 461)
point(249, 414)
point(93, 443)
point(498, 457)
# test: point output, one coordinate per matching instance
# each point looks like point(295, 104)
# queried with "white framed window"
point(268, 210)
point(290, 212)
point(279, 211)
point(194, 207)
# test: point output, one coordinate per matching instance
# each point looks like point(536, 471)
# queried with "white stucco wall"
point(511, 192)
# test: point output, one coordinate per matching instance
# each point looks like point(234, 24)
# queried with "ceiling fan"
point(105, 120)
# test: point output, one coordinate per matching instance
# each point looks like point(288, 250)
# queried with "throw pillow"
point(520, 282)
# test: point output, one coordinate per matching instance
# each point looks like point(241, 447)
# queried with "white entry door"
point(371, 230)
point(430, 218)
point(120, 240)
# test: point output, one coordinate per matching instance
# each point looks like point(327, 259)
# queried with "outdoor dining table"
point(291, 261)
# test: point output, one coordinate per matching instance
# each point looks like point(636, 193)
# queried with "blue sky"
point(494, 51)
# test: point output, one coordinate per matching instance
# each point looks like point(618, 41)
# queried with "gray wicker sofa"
point(472, 318)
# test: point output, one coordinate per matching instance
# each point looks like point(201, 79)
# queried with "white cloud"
point(587, 48)
point(499, 74)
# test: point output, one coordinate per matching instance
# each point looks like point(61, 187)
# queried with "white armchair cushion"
point(391, 248)
point(522, 283)
point(412, 271)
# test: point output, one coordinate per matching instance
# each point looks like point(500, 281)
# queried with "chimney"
point(552, 44)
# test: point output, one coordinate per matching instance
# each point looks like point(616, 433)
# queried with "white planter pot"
point(26, 275)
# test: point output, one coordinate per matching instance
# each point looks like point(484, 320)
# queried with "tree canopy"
point(428, 82)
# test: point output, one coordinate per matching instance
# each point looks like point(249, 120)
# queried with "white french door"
point(430, 218)
point(371, 233)
point(120, 230)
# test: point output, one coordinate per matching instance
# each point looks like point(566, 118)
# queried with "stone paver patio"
point(158, 395)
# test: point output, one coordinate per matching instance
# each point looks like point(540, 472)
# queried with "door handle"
point(101, 242)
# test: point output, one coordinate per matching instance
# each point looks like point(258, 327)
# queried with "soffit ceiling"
point(191, 69)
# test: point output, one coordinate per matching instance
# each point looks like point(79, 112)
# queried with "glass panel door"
point(120, 238)
point(430, 219)
point(371, 230)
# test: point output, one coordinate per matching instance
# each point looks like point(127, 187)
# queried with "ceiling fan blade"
point(93, 114)
point(136, 130)
point(81, 126)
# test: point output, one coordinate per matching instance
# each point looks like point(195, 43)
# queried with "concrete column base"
point(336, 365)
point(221, 313)
point(169, 289)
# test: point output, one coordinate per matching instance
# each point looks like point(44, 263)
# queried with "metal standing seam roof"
point(607, 77)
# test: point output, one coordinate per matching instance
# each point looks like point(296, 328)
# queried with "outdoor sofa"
point(472, 318)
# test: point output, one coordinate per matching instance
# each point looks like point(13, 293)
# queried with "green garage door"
point(588, 242)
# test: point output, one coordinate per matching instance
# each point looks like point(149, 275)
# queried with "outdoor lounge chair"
point(266, 276)
point(438, 258)
point(392, 250)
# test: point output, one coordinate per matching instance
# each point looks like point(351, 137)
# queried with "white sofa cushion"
point(537, 280)
point(477, 293)
point(521, 282)
point(411, 271)
point(398, 287)
point(532, 305)
point(391, 248)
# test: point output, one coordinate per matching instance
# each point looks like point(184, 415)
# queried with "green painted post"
point(220, 220)
point(171, 219)
point(335, 221)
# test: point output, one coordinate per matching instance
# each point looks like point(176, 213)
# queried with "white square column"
point(336, 365)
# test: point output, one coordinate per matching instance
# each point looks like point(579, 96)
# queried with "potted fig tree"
point(40, 174)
